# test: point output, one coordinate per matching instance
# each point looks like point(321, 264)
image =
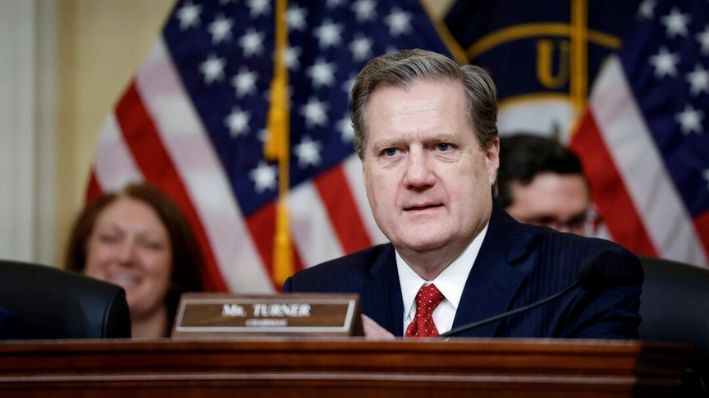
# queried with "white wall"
point(20, 183)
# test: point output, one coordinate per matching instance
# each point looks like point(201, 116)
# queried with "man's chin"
point(422, 245)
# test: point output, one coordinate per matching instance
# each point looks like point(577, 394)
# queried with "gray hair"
point(401, 68)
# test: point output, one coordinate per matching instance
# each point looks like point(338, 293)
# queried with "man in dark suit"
point(541, 182)
point(425, 132)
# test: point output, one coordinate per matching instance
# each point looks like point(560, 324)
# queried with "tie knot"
point(427, 299)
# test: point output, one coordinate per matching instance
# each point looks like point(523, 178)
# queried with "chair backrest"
point(674, 306)
point(49, 303)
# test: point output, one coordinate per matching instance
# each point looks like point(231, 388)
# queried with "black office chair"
point(48, 303)
point(674, 306)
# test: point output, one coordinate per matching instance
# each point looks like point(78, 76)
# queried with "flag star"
point(258, 8)
point(262, 135)
point(399, 22)
point(665, 63)
point(292, 57)
point(347, 85)
point(308, 152)
point(690, 120)
point(364, 10)
point(361, 48)
point(703, 39)
point(244, 82)
point(296, 18)
point(706, 176)
point(220, 29)
point(238, 122)
point(676, 23)
point(212, 69)
point(329, 34)
point(188, 15)
point(322, 73)
point(251, 43)
point(314, 113)
point(698, 80)
point(345, 128)
point(264, 176)
point(646, 10)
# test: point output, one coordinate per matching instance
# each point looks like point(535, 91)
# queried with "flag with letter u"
point(193, 122)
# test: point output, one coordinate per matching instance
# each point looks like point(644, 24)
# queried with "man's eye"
point(389, 152)
point(444, 147)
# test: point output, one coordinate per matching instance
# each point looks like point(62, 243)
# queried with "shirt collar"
point(450, 282)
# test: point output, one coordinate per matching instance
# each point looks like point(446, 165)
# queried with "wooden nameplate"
point(223, 315)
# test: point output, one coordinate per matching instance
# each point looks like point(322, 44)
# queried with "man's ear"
point(492, 159)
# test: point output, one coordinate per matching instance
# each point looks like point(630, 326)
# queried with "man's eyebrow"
point(443, 137)
point(388, 142)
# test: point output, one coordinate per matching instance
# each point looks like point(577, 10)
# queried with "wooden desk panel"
point(278, 367)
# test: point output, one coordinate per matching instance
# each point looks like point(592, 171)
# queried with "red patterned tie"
point(427, 299)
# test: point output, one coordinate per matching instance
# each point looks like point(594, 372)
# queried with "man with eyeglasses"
point(541, 182)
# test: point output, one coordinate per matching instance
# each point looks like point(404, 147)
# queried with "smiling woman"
point(139, 240)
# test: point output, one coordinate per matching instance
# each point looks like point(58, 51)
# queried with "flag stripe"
point(340, 206)
point(114, 166)
point(311, 229)
point(93, 190)
point(642, 167)
point(198, 167)
point(607, 189)
point(262, 224)
point(353, 172)
point(701, 225)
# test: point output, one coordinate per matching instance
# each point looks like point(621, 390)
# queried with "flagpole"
point(579, 58)
point(278, 147)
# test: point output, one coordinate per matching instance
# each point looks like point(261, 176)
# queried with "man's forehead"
point(406, 84)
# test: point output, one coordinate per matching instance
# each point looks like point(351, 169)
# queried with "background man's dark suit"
point(517, 264)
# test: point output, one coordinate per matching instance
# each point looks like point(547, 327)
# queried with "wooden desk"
point(340, 368)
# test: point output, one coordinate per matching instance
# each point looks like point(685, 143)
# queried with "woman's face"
point(130, 247)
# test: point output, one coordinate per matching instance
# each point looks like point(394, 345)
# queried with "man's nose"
point(419, 173)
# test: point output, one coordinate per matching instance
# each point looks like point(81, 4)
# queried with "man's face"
point(427, 179)
point(558, 201)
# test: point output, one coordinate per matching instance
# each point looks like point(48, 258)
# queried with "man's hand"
point(372, 330)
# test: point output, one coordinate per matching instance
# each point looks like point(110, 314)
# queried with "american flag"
point(645, 140)
point(193, 122)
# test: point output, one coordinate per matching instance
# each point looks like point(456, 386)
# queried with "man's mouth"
point(420, 207)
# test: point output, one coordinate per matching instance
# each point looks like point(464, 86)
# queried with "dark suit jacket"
point(517, 265)
point(8, 325)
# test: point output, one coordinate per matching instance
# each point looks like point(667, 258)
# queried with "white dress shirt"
point(450, 283)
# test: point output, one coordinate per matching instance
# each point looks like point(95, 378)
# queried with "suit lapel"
point(383, 290)
point(494, 279)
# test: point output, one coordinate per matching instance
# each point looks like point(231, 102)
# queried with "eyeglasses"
point(586, 223)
